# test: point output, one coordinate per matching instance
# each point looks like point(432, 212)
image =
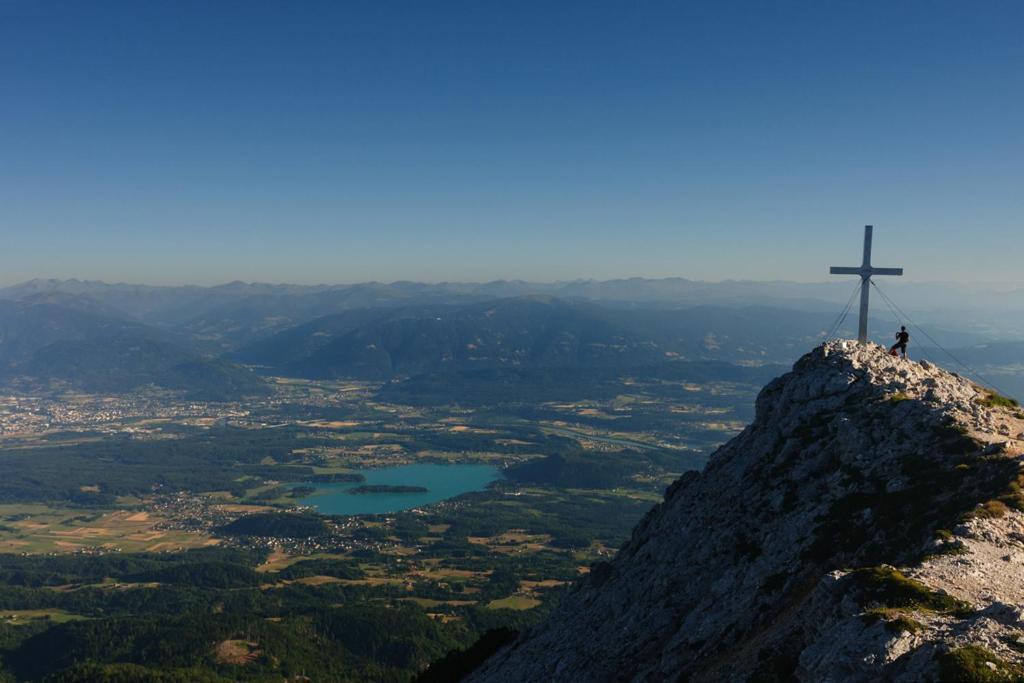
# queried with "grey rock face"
point(855, 460)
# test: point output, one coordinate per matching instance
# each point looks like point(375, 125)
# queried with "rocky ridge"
point(866, 526)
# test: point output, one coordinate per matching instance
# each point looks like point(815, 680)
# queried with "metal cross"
point(865, 271)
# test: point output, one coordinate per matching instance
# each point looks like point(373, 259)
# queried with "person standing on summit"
point(902, 337)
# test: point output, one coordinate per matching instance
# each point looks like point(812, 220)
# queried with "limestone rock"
point(863, 479)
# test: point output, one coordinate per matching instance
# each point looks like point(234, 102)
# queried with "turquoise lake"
point(441, 481)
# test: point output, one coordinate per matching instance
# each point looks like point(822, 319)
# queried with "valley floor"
point(158, 482)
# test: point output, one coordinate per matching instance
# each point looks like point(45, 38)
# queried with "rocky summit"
point(866, 526)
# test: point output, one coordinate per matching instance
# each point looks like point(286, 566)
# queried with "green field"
point(41, 528)
point(515, 602)
point(26, 617)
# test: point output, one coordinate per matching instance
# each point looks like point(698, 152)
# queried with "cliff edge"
point(867, 525)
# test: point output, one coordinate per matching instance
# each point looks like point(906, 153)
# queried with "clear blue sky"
point(344, 141)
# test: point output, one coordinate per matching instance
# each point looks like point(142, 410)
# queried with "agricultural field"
point(45, 529)
point(142, 511)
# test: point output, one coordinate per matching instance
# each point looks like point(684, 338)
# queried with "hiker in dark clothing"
point(902, 337)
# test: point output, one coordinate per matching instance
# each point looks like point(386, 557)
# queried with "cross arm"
point(842, 270)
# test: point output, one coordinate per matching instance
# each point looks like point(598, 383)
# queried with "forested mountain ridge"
point(528, 332)
point(42, 342)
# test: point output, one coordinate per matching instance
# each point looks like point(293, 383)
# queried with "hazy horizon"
point(834, 280)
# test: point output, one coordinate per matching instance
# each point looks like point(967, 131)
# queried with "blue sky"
point(340, 141)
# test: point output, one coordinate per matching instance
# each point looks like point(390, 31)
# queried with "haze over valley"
point(221, 448)
point(490, 342)
point(445, 459)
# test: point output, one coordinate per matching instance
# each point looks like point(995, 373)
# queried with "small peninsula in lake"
point(386, 488)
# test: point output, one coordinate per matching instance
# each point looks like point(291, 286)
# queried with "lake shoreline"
point(387, 490)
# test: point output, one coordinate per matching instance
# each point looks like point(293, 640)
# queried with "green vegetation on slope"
point(277, 525)
point(975, 664)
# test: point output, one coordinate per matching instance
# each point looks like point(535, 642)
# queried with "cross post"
point(865, 271)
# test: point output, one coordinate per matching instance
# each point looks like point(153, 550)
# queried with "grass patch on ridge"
point(896, 620)
point(996, 400)
point(889, 587)
point(976, 664)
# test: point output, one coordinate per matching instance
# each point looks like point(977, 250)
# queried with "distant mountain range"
point(119, 337)
point(232, 315)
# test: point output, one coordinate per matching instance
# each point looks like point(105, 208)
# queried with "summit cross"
point(865, 271)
